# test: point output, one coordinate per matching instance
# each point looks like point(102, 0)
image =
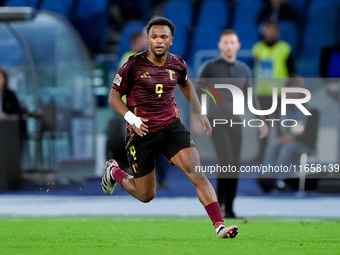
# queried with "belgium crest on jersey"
point(171, 74)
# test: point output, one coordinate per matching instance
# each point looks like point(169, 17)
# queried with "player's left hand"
point(206, 124)
point(143, 128)
point(263, 131)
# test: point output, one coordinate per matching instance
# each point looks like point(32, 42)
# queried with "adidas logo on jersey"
point(146, 75)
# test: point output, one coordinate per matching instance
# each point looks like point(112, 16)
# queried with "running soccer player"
point(148, 80)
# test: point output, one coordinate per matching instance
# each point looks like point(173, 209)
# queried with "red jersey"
point(150, 89)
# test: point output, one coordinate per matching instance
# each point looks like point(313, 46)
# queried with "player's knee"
point(147, 197)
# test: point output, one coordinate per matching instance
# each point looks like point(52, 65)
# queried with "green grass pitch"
point(164, 235)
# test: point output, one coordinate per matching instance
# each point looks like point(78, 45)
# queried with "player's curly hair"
point(160, 22)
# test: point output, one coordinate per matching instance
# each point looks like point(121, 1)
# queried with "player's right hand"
point(143, 128)
point(196, 125)
point(206, 124)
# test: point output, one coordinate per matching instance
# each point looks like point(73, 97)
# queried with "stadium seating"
point(29, 3)
point(319, 32)
point(289, 33)
point(62, 7)
point(180, 12)
point(136, 9)
point(299, 5)
point(91, 20)
point(88, 8)
point(245, 22)
point(206, 38)
point(128, 30)
point(337, 28)
point(212, 20)
point(215, 13)
point(180, 42)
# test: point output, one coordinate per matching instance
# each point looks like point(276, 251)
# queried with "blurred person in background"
point(138, 43)
point(273, 63)
point(276, 11)
point(9, 103)
point(227, 139)
point(293, 140)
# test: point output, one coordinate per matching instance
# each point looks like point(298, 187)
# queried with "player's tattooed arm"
point(189, 92)
point(137, 123)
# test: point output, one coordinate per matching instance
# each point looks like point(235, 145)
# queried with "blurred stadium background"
point(61, 58)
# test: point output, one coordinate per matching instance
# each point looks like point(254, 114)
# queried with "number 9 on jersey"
point(159, 89)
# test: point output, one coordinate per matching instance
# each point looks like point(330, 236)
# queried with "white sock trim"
point(219, 228)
